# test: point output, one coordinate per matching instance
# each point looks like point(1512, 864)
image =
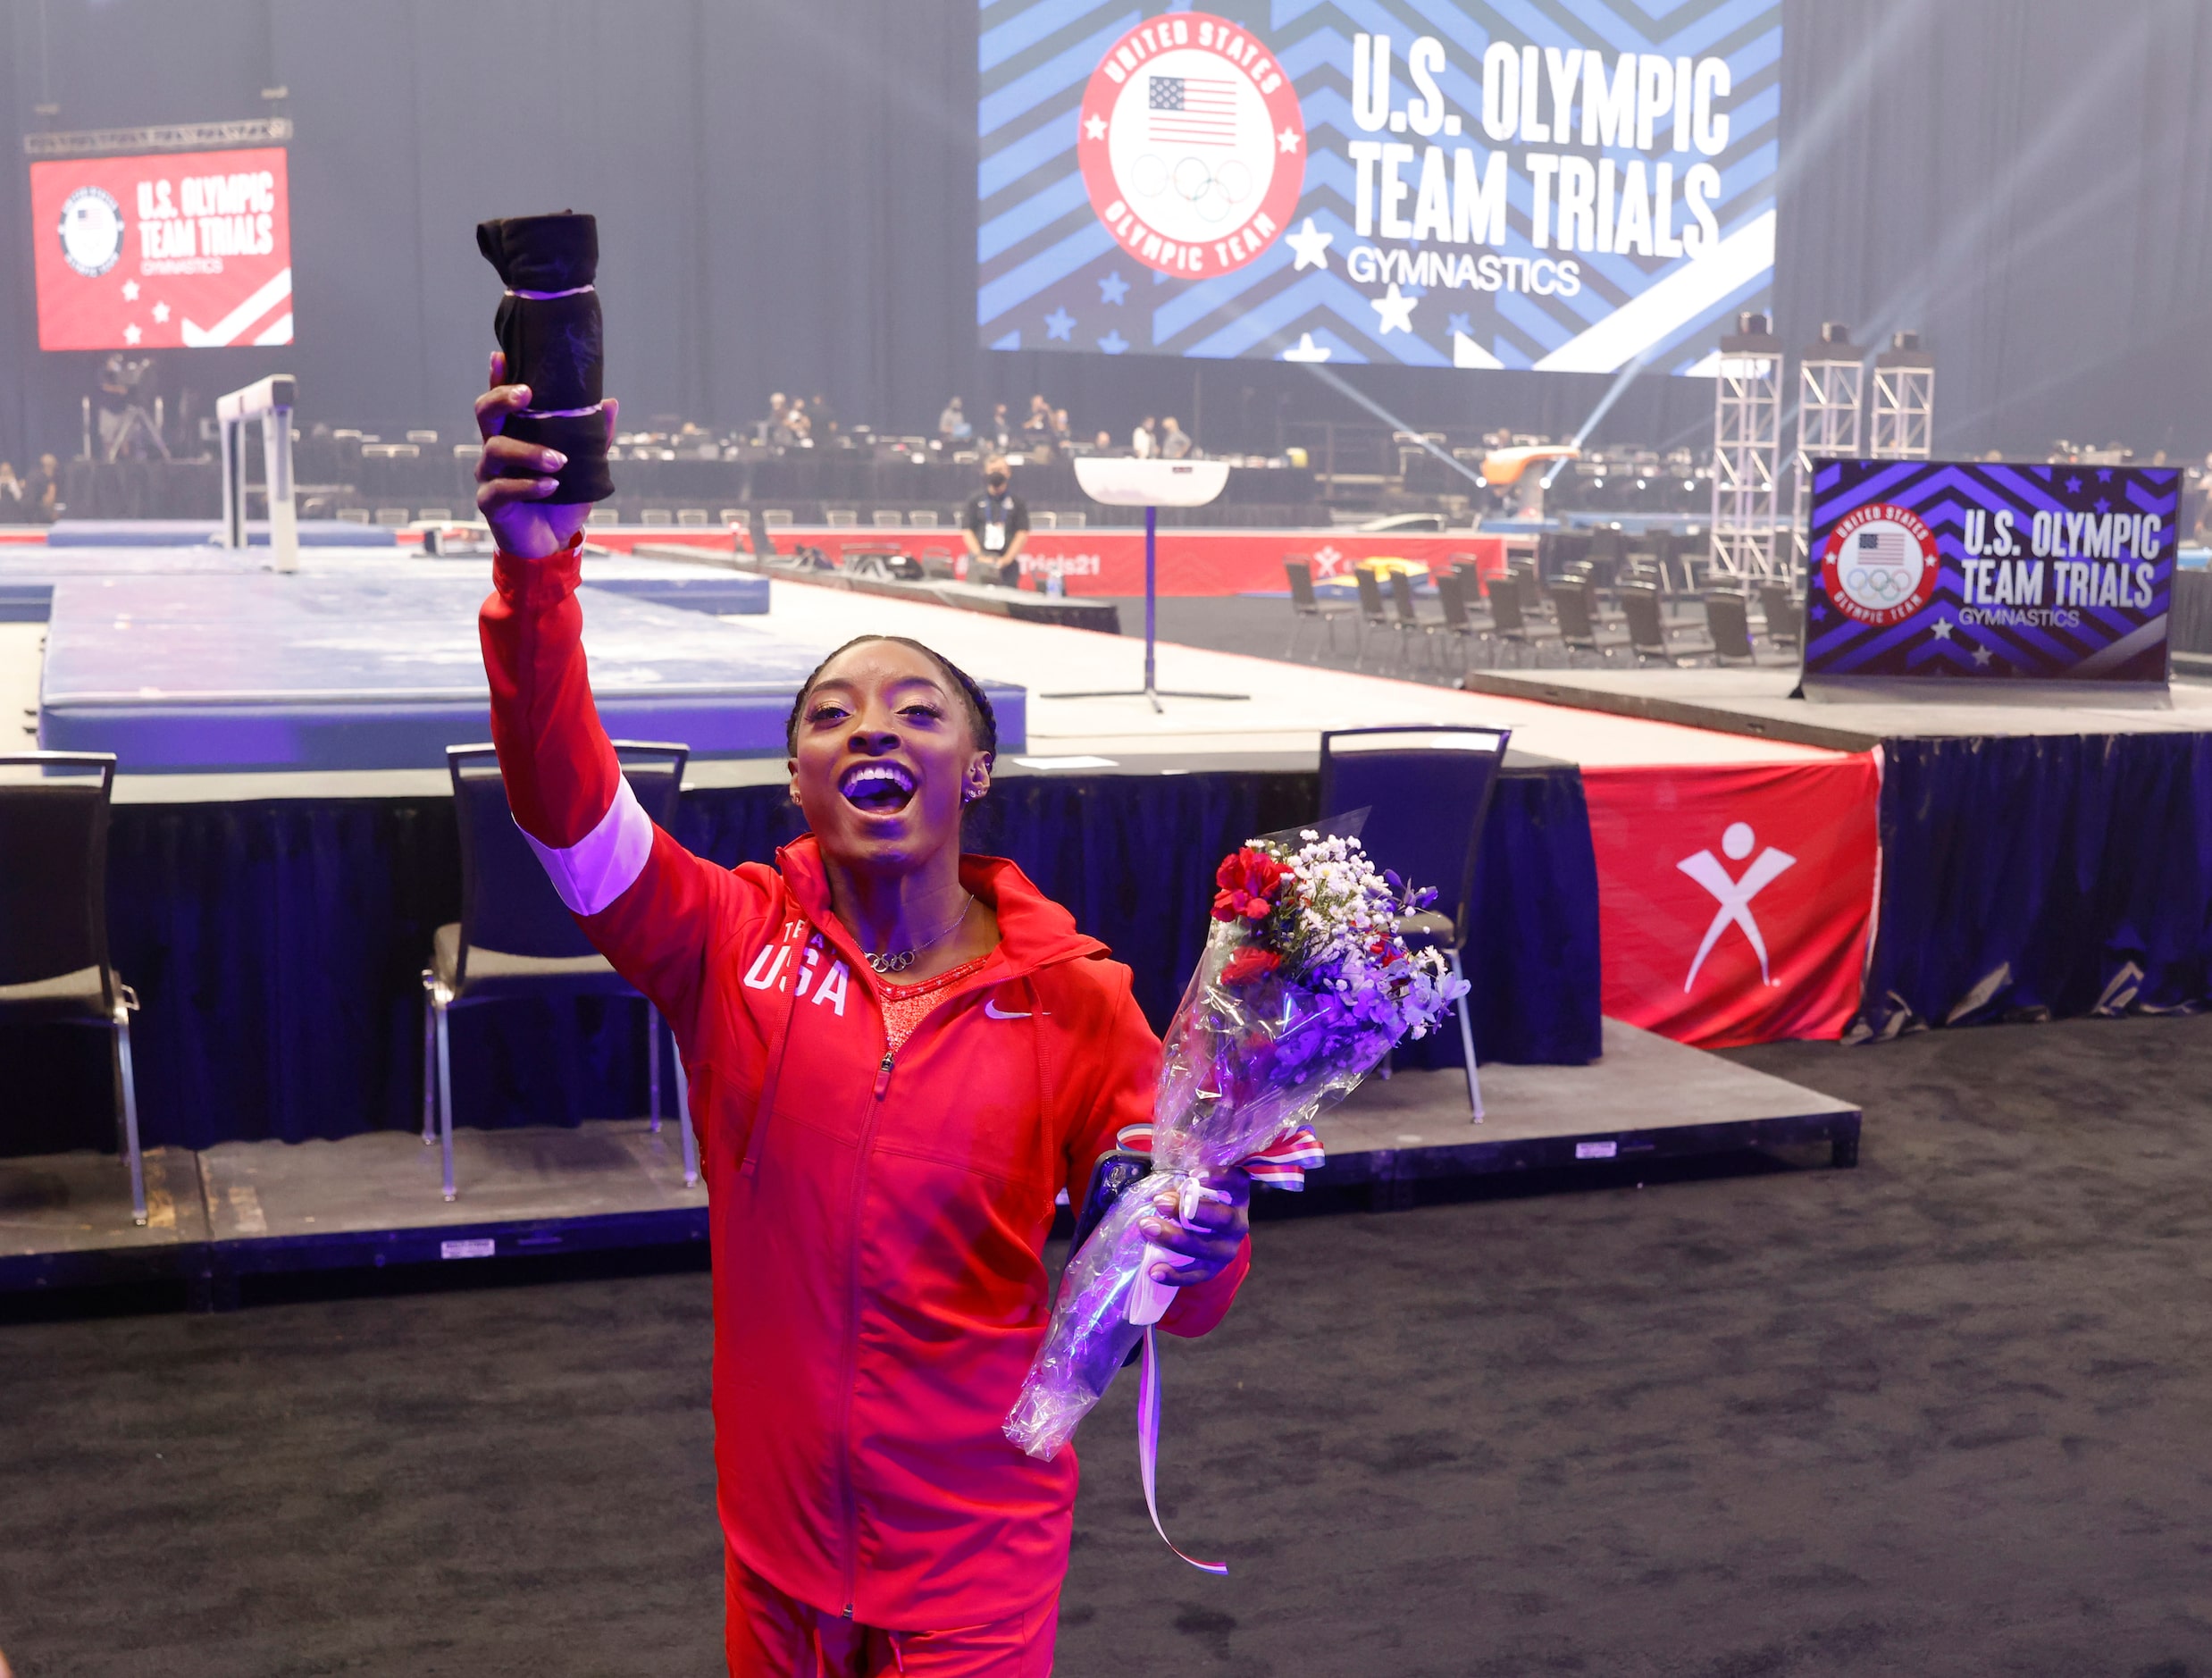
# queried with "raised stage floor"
point(240, 1210)
point(1756, 703)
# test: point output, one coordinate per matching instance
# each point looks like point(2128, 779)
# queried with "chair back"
point(1302, 597)
point(1728, 623)
point(1639, 604)
point(1780, 607)
point(1402, 598)
point(1452, 600)
point(1531, 586)
point(507, 903)
point(1468, 569)
point(1371, 595)
point(1571, 599)
point(1505, 606)
point(1426, 791)
point(54, 812)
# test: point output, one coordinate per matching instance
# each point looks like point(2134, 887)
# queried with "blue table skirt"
point(276, 948)
point(2042, 876)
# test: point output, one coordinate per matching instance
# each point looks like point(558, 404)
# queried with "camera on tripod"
point(125, 425)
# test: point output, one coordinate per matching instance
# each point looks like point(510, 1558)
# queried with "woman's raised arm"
point(648, 905)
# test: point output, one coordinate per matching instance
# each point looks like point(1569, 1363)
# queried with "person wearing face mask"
point(897, 1056)
point(996, 524)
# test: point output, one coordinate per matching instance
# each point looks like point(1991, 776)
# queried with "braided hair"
point(981, 718)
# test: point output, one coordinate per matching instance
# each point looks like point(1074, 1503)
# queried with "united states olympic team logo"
point(1879, 563)
point(92, 231)
point(1192, 144)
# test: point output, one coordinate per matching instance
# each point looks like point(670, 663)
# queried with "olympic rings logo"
point(1884, 585)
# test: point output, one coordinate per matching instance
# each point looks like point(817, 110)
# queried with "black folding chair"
point(1452, 600)
point(515, 938)
point(1780, 606)
point(1728, 620)
point(1373, 616)
point(1306, 607)
point(1426, 791)
point(1509, 622)
point(1578, 620)
point(53, 958)
point(1410, 623)
point(1647, 632)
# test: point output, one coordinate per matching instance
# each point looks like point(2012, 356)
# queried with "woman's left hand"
point(1208, 1249)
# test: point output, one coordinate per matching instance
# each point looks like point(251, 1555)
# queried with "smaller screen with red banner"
point(171, 250)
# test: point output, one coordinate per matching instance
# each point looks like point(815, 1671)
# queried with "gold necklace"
point(898, 961)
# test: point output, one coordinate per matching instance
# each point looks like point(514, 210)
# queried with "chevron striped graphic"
point(2048, 572)
point(1044, 256)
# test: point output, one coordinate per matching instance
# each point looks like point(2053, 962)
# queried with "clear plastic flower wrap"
point(1304, 986)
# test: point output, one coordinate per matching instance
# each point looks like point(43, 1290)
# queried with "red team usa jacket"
point(878, 1222)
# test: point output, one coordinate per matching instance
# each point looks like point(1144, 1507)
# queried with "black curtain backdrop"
point(786, 193)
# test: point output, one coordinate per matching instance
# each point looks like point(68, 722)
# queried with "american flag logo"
point(1193, 110)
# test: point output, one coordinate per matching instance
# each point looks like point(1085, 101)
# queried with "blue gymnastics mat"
point(376, 670)
point(186, 532)
point(28, 573)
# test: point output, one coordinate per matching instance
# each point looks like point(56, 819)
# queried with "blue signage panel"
point(1989, 577)
point(1441, 183)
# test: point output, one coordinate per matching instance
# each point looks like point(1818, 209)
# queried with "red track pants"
point(770, 1635)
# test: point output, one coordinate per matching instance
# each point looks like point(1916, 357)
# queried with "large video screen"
point(171, 250)
point(1439, 183)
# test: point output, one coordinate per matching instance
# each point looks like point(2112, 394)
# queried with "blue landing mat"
point(185, 532)
point(28, 573)
point(226, 672)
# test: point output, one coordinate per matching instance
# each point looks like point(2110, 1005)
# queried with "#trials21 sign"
point(1989, 576)
point(174, 250)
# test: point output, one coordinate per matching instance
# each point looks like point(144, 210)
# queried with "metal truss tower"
point(1903, 420)
point(1747, 449)
point(1831, 381)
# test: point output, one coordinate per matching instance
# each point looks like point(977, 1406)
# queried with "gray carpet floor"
point(1946, 1413)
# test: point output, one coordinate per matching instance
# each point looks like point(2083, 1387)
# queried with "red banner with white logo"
point(1735, 901)
point(171, 250)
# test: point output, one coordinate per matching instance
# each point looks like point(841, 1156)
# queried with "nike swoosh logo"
point(991, 1010)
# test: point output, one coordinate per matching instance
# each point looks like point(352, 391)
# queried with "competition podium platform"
point(180, 661)
point(226, 1218)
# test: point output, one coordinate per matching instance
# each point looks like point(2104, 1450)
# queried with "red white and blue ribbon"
point(1282, 1164)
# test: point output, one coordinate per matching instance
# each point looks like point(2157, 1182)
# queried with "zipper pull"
point(882, 1076)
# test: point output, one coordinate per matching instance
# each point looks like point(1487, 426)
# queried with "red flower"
point(1247, 878)
point(1250, 964)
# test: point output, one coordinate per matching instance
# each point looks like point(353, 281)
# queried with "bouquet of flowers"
point(1304, 986)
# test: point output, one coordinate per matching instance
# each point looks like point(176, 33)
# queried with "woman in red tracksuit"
point(897, 1057)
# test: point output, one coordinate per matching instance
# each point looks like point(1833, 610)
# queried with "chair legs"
point(440, 1001)
point(126, 1103)
point(1466, 1048)
point(684, 1123)
point(438, 1089)
point(430, 1063)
